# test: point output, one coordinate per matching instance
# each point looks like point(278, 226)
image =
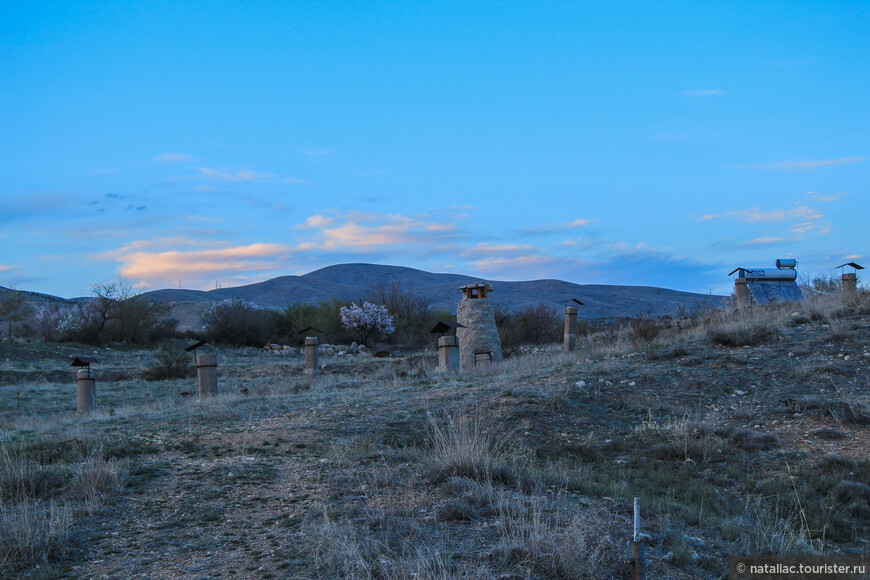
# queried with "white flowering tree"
point(367, 321)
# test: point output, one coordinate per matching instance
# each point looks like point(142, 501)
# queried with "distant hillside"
point(351, 281)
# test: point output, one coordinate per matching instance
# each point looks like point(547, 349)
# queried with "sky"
point(199, 144)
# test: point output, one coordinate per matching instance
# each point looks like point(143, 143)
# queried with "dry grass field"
point(740, 432)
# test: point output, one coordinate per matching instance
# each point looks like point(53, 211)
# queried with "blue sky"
point(645, 143)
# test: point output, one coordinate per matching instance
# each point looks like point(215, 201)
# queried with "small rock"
point(632, 384)
point(741, 393)
point(580, 384)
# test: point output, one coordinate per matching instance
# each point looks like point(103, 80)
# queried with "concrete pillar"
point(448, 354)
point(86, 391)
point(850, 287)
point(570, 329)
point(312, 366)
point(742, 291)
point(206, 374)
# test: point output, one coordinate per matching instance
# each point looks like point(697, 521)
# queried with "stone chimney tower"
point(479, 342)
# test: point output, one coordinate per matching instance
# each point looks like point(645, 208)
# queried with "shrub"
point(238, 323)
point(644, 329)
point(170, 364)
point(529, 325)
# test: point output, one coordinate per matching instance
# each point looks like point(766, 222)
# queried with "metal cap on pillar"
point(86, 390)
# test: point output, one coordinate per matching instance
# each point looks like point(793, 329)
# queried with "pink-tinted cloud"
point(150, 264)
point(365, 231)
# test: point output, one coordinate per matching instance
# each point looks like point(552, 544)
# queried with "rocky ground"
point(741, 433)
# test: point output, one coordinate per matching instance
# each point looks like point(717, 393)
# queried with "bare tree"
point(409, 311)
point(13, 308)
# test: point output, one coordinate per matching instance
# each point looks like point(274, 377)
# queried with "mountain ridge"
point(351, 282)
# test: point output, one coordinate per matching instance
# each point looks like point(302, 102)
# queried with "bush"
point(325, 317)
point(644, 329)
point(170, 364)
point(529, 325)
point(238, 323)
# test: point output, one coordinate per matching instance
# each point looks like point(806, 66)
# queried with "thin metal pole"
point(638, 547)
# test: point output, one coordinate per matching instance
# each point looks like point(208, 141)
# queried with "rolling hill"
point(352, 281)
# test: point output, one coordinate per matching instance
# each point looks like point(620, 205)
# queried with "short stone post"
point(850, 287)
point(86, 391)
point(570, 329)
point(448, 354)
point(312, 368)
point(206, 374)
point(741, 289)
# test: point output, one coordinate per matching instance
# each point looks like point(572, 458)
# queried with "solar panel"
point(767, 291)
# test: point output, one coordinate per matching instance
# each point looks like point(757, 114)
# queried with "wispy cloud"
point(316, 221)
point(227, 174)
point(825, 198)
point(173, 157)
point(7, 268)
point(765, 241)
point(755, 214)
point(497, 251)
point(365, 230)
point(530, 267)
point(556, 228)
point(802, 165)
point(704, 93)
point(149, 264)
point(811, 228)
point(576, 243)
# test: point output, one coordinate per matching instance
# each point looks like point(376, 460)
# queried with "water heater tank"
point(768, 274)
